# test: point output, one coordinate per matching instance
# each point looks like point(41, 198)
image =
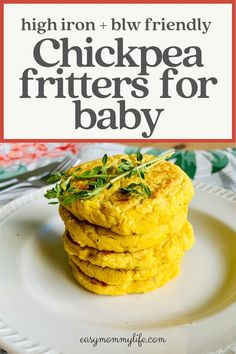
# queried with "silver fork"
point(41, 180)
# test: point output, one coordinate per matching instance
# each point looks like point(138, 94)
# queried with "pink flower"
point(29, 152)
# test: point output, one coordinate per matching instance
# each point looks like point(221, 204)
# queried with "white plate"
point(44, 311)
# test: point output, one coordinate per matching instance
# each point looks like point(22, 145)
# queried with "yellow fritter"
point(133, 287)
point(113, 276)
point(172, 249)
point(105, 240)
point(171, 190)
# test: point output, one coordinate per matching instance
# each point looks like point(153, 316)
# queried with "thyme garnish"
point(103, 177)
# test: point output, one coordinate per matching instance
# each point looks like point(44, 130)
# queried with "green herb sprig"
point(103, 177)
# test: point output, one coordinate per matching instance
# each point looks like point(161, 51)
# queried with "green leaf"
point(125, 166)
point(146, 190)
point(85, 174)
point(219, 160)
point(66, 194)
point(187, 161)
point(57, 188)
point(104, 159)
point(54, 178)
point(69, 200)
point(142, 175)
point(50, 194)
point(133, 185)
point(83, 194)
point(98, 183)
point(139, 156)
point(96, 170)
point(131, 188)
point(66, 185)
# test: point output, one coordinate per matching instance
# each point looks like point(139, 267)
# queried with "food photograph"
point(117, 177)
point(124, 246)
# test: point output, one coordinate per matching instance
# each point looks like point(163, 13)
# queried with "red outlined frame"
point(2, 2)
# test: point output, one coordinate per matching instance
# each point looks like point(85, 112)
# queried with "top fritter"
point(136, 203)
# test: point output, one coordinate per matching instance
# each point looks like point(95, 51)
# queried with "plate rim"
point(14, 339)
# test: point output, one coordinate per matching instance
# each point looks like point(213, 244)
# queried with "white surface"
point(183, 118)
point(42, 305)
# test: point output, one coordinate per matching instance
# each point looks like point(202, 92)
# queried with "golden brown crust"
point(127, 215)
point(105, 240)
point(133, 287)
point(114, 276)
point(173, 248)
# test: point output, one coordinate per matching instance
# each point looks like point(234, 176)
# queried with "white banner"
point(118, 71)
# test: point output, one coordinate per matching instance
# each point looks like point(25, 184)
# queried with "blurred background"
point(212, 163)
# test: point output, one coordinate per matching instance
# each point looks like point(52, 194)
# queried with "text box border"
point(3, 2)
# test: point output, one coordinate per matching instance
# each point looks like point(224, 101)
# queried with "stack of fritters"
point(129, 243)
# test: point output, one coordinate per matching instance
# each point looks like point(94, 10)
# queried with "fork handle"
point(4, 184)
point(15, 186)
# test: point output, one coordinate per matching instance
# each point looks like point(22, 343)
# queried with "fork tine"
point(64, 165)
point(70, 162)
point(61, 165)
point(67, 162)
